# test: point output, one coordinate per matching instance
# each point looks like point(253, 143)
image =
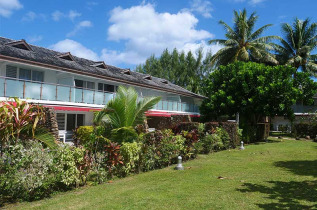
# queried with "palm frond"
point(44, 136)
point(258, 32)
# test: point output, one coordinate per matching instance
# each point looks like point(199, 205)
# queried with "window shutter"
point(11, 71)
point(60, 117)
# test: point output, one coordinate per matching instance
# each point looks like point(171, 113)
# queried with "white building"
point(75, 86)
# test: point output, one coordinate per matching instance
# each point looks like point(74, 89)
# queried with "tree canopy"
point(254, 90)
point(184, 69)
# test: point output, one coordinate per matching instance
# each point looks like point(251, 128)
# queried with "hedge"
point(305, 129)
point(210, 127)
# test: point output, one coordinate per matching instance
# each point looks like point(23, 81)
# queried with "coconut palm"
point(300, 39)
point(125, 110)
point(243, 43)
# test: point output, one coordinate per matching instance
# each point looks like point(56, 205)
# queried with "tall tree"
point(300, 39)
point(254, 90)
point(184, 69)
point(243, 43)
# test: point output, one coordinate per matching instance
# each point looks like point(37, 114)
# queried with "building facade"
point(76, 87)
point(302, 114)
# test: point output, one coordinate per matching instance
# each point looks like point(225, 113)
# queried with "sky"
point(125, 33)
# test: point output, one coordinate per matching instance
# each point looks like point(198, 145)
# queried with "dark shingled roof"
point(47, 57)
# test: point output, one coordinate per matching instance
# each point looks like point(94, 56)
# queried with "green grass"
point(267, 175)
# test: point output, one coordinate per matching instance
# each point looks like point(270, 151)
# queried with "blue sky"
point(125, 33)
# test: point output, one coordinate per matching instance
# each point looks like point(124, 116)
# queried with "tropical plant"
point(19, 119)
point(243, 43)
point(300, 39)
point(126, 109)
point(113, 156)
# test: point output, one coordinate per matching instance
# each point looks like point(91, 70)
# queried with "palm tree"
point(125, 110)
point(300, 39)
point(243, 43)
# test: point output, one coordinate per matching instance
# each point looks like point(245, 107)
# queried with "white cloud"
point(7, 7)
point(254, 2)
point(73, 14)
point(58, 15)
point(80, 26)
point(35, 38)
point(203, 45)
point(143, 32)
point(202, 7)
point(75, 48)
point(29, 16)
point(146, 31)
point(251, 2)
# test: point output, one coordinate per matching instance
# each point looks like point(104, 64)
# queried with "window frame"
point(85, 84)
point(115, 87)
point(28, 69)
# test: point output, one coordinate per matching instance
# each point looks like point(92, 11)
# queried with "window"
point(90, 85)
point(69, 122)
point(24, 74)
point(84, 84)
point(37, 76)
point(106, 87)
point(11, 71)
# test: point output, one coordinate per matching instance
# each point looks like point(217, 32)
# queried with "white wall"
point(60, 77)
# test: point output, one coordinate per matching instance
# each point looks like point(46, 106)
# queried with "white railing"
point(12, 87)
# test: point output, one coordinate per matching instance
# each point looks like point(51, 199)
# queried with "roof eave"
point(9, 58)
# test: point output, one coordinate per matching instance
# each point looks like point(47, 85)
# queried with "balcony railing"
point(11, 87)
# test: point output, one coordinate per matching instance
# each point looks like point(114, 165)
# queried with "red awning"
point(72, 108)
point(89, 109)
point(165, 114)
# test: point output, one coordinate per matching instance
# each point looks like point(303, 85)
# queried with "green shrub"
point(130, 153)
point(83, 133)
point(305, 129)
point(26, 172)
point(90, 137)
point(98, 171)
point(223, 134)
point(124, 134)
point(212, 143)
point(230, 127)
point(66, 162)
point(160, 149)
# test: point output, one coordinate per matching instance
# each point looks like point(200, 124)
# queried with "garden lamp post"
point(179, 164)
point(241, 147)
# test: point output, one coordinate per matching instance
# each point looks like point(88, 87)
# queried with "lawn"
point(279, 174)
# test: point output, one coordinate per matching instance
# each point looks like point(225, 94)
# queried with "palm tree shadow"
point(286, 195)
point(300, 167)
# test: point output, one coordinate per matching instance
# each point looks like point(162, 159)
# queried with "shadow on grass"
point(286, 195)
point(299, 167)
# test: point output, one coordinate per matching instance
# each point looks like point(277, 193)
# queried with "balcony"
point(11, 87)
